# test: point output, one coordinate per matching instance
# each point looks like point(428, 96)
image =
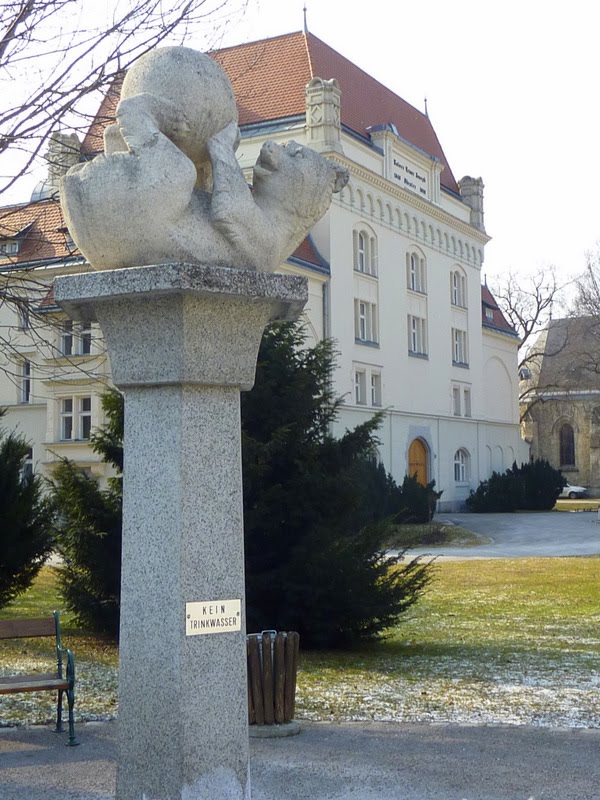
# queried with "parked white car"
point(572, 492)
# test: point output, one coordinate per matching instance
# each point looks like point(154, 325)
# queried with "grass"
point(499, 640)
point(433, 534)
point(504, 640)
point(96, 660)
point(577, 505)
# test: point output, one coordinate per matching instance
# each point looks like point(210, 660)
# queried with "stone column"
point(183, 342)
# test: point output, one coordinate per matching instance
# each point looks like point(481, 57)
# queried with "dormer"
point(407, 165)
point(11, 242)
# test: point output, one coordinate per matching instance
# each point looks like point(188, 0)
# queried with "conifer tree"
point(88, 529)
point(316, 508)
point(25, 520)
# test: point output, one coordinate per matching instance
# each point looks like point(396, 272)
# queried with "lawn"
point(498, 640)
point(432, 534)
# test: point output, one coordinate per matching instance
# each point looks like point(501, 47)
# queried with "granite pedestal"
point(183, 341)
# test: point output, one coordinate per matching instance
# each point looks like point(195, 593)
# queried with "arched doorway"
point(418, 457)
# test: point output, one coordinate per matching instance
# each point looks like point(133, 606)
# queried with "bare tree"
point(587, 300)
point(58, 57)
point(58, 60)
point(529, 305)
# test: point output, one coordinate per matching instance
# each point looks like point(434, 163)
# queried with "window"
point(365, 321)
point(8, 248)
point(461, 466)
point(458, 289)
point(23, 315)
point(76, 339)
point(467, 402)
point(66, 338)
point(567, 446)
point(75, 418)
point(367, 386)
point(66, 418)
point(85, 339)
point(85, 417)
point(365, 252)
point(417, 335)
point(376, 389)
point(461, 400)
point(456, 401)
point(25, 382)
point(27, 468)
point(459, 347)
point(360, 387)
point(415, 273)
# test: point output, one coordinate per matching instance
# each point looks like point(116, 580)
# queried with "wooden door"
point(417, 461)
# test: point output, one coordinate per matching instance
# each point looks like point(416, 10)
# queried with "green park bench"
point(38, 682)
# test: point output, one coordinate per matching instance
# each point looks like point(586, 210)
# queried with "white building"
point(394, 270)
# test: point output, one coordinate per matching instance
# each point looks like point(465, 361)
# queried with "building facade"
point(394, 271)
point(561, 399)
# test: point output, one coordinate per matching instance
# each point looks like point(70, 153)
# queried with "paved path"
point(542, 533)
point(337, 762)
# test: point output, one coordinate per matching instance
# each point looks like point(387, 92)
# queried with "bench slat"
point(31, 683)
point(23, 628)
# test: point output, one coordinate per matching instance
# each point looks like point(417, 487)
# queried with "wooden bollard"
point(291, 668)
point(256, 683)
point(279, 677)
point(267, 674)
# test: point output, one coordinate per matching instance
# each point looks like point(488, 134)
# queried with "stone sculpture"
point(146, 200)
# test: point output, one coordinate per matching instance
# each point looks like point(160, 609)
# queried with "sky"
point(511, 92)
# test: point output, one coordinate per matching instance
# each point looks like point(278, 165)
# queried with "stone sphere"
point(194, 85)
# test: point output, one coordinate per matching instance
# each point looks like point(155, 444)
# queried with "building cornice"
point(493, 330)
point(408, 198)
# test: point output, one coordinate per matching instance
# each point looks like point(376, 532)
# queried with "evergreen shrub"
point(317, 511)
point(25, 520)
point(534, 486)
point(88, 529)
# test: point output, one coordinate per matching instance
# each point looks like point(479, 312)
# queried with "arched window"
point(567, 445)
point(458, 288)
point(461, 466)
point(362, 252)
point(416, 273)
point(365, 252)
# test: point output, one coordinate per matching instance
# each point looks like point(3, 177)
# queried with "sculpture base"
point(182, 342)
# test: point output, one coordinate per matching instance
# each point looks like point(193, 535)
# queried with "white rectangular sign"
point(213, 616)
point(409, 176)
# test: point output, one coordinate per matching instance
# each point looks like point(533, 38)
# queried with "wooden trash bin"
point(272, 671)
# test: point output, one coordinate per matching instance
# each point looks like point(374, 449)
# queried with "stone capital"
point(173, 324)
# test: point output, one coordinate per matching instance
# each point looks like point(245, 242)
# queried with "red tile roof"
point(497, 321)
point(93, 142)
point(42, 230)
point(269, 78)
point(307, 252)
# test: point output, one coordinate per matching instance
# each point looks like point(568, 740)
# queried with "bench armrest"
point(70, 659)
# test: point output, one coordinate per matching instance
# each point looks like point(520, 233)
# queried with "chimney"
point(471, 191)
point(64, 151)
point(323, 118)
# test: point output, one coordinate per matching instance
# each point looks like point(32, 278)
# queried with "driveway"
point(523, 534)
point(370, 761)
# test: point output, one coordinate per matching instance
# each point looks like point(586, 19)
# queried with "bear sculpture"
point(168, 187)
